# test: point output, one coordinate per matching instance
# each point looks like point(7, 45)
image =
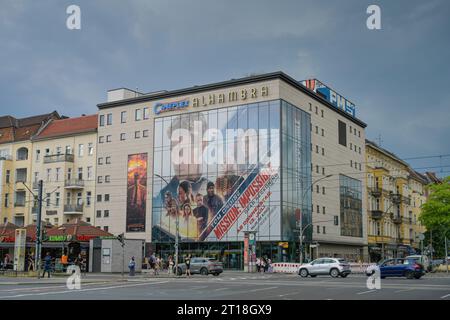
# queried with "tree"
point(435, 214)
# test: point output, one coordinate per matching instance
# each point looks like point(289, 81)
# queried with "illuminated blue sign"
point(171, 106)
point(332, 96)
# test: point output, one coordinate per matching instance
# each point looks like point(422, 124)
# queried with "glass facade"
point(351, 206)
point(231, 184)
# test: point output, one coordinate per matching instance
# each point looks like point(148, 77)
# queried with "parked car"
point(335, 267)
point(423, 260)
point(203, 266)
point(404, 267)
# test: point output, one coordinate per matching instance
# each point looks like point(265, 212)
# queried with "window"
point(106, 214)
point(99, 198)
point(145, 133)
point(8, 176)
point(57, 196)
point(138, 115)
point(323, 210)
point(56, 221)
point(58, 170)
point(58, 150)
point(38, 155)
point(108, 138)
point(323, 230)
point(317, 129)
point(69, 173)
point(323, 190)
point(100, 161)
point(88, 219)
point(47, 152)
point(351, 163)
point(107, 179)
point(36, 177)
point(100, 179)
point(68, 150)
point(101, 139)
point(342, 133)
point(350, 129)
point(81, 150)
point(354, 131)
point(108, 160)
point(88, 198)
point(90, 148)
point(317, 169)
point(317, 189)
point(106, 197)
point(318, 209)
point(122, 136)
point(106, 228)
point(323, 151)
point(146, 113)
point(102, 120)
point(359, 150)
point(359, 166)
point(99, 213)
point(351, 146)
point(317, 110)
point(49, 172)
point(310, 107)
point(89, 173)
point(47, 200)
point(317, 149)
point(336, 220)
point(109, 119)
point(323, 133)
point(323, 170)
point(6, 200)
point(137, 134)
point(80, 173)
point(321, 111)
point(359, 133)
point(123, 117)
point(318, 229)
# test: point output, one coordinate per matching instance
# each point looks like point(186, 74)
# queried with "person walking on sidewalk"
point(47, 265)
point(171, 263)
point(187, 261)
point(157, 266)
point(132, 266)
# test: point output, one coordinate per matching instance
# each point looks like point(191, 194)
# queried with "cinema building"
point(223, 163)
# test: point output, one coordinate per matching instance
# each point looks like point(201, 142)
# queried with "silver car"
point(335, 267)
point(203, 266)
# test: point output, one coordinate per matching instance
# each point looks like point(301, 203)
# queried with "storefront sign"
point(231, 96)
point(85, 238)
point(284, 245)
point(171, 106)
point(57, 238)
point(7, 239)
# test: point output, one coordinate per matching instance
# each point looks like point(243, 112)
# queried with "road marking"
point(403, 290)
point(288, 294)
point(364, 292)
point(261, 289)
point(220, 289)
point(81, 290)
point(443, 297)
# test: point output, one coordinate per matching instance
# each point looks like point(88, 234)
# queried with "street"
point(228, 286)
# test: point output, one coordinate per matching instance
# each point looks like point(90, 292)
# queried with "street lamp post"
point(301, 216)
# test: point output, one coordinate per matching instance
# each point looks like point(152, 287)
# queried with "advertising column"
point(19, 249)
point(249, 251)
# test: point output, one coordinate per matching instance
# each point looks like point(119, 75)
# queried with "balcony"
point(376, 192)
point(398, 199)
point(73, 209)
point(59, 158)
point(376, 214)
point(19, 204)
point(397, 219)
point(407, 220)
point(74, 184)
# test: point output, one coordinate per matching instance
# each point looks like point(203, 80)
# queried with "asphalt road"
point(238, 286)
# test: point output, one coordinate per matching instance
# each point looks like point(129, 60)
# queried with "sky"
point(396, 76)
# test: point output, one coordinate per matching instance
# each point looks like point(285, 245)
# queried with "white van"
point(423, 260)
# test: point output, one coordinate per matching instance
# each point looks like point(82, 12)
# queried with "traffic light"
point(121, 239)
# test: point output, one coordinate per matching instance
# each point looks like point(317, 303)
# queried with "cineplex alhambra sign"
point(241, 95)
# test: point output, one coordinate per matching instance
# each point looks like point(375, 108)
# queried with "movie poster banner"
point(220, 197)
point(136, 192)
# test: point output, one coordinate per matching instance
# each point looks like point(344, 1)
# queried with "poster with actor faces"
point(136, 192)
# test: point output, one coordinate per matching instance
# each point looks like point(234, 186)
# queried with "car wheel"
point(304, 273)
point(179, 272)
point(216, 274)
point(344, 275)
point(204, 271)
point(313, 275)
point(409, 274)
point(334, 273)
point(417, 276)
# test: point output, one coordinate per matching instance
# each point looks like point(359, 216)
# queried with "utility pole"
point(39, 230)
point(176, 243)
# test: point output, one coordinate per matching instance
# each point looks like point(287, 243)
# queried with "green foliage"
point(435, 212)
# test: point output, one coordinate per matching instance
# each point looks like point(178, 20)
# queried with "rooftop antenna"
point(379, 140)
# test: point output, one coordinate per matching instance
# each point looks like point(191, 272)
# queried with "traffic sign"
point(421, 236)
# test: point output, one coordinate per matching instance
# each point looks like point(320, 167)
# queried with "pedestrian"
point(30, 262)
point(263, 265)
point(64, 261)
point(47, 264)
point(132, 266)
point(269, 266)
point(171, 263)
point(157, 266)
point(258, 264)
point(187, 261)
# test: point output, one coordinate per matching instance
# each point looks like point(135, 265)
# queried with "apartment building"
point(64, 158)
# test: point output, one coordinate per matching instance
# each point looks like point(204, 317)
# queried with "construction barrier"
point(286, 267)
